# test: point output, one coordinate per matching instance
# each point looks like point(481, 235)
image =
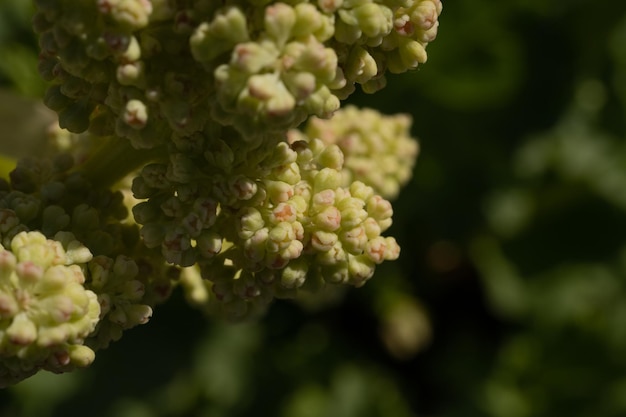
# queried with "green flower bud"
point(323, 241)
point(278, 191)
point(323, 103)
point(8, 220)
point(153, 234)
point(335, 273)
point(250, 221)
point(300, 84)
point(279, 22)
point(361, 268)
point(55, 99)
point(280, 237)
point(26, 207)
point(255, 247)
point(360, 66)
point(173, 207)
point(22, 330)
point(329, 219)
point(75, 252)
point(252, 57)
point(146, 212)
point(242, 188)
point(176, 247)
point(323, 199)
point(85, 217)
point(155, 176)
point(209, 244)
point(221, 156)
point(227, 29)
point(373, 19)
point(336, 255)
point(182, 117)
point(409, 55)
point(75, 117)
point(81, 356)
point(294, 274)
point(181, 168)
point(327, 178)
point(354, 240)
point(135, 114)
point(133, 14)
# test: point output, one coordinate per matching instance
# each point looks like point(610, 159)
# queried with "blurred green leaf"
point(19, 66)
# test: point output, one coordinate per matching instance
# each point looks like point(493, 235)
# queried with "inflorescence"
point(186, 164)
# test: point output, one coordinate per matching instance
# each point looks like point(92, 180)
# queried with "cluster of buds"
point(184, 113)
point(58, 302)
point(127, 291)
point(299, 229)
point(46, 313)
point(260, 229)
point(378, 150)
point(47, 195)
point(146, 70)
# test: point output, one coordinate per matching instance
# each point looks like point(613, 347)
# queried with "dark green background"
point(512, 235)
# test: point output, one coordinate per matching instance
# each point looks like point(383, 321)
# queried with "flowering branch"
point(184, 113)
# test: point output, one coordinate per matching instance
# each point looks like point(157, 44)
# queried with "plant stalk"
point(114, 158)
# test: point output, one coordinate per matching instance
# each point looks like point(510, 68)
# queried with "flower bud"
point(22, 331)
point(294, 274)
point(135, 114)
point(227, 29)
point(133, 14)
point(75, 116)
point(279, 21)
point(81, 356)
point(209, 244)
point(361, 268)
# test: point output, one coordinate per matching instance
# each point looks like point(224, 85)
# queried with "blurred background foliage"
point(509, 299)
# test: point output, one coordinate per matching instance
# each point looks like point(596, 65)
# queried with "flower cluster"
point(52, 221)
point(378, 150)
point(46, 195)
point(146, 70)
point(184, 113)
point(127, 290)
point(300, 229)
point(268, 224)
point(45, 311)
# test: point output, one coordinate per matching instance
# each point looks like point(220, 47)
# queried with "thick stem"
point(114, 158)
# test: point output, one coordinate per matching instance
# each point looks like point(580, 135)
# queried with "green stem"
point(114, 158)
point(7, 164)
